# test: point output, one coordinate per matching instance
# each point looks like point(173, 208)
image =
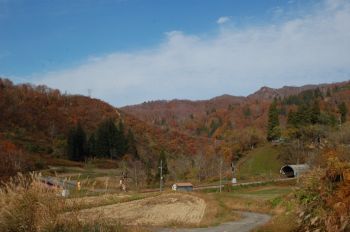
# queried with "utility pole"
point(233, 169)
point(220, 173)
point(135, 173)
point(298, 171)
point(161, 175)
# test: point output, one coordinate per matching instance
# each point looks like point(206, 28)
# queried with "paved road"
point(244, 184)
point(249, 222)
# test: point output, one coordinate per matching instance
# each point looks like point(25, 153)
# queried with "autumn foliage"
point(325, 197)
point(38, 120)
point(13, 160)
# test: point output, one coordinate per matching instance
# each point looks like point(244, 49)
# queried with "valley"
point(116, 166)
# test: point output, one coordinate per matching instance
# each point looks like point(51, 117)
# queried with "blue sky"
point(130, 51)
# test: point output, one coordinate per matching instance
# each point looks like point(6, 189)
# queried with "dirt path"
point(249, 222)
point(245, 183)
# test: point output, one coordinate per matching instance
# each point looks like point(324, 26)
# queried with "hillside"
point(286, 91)
point(37, 119)
point(260, 163)
point(214, 117)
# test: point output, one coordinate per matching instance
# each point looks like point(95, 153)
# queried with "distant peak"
point(265, 93)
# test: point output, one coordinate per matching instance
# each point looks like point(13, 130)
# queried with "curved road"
point(249, 222)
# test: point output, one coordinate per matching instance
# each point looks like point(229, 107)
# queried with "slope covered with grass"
point(260, 163)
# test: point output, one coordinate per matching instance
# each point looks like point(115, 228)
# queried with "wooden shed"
point(185, 187)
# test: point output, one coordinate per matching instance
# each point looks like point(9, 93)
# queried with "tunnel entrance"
point(291, 171)
point(287, 171)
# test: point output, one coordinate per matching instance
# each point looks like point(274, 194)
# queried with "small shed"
point(295, 170)
point(186, 187)
point(62, 186)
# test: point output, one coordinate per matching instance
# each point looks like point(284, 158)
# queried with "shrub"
point(325, 198)
point(13, 160)
point(28, 205)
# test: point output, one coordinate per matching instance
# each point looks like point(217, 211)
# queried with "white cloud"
point(310, 49)
point(223, 20)
point(277, 11)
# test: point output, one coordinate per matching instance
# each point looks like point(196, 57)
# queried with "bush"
point(13, 160)
point(325, 198)
point(28, 205)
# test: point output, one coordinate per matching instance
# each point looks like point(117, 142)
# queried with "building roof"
point(299, 167)
point(184, 184)
point(58, 182)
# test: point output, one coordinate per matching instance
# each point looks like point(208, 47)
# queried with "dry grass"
point(284, 222)
point(28, 205)
point(216, 211)
point(105, 199)
point(163, 210)
point(271, 199)
point(324, 197)
point(284, 219)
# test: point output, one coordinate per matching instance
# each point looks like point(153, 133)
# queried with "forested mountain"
point(214, 117)
point(41, 120)
point(38, 120)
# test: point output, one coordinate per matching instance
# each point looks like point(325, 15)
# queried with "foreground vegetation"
point(320, 201)
point(27, 205)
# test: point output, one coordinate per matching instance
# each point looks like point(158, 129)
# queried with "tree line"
point(107, 141)
point(307, 112)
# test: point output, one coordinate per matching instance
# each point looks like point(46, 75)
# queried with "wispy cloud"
point(223, 20)
point(309, 49)
point(277, 11)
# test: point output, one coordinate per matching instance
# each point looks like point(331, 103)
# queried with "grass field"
point(265, 198)
point(263, 193)
point(260, 163)
point(219, 208)
point(100, 193)
point(167, 209)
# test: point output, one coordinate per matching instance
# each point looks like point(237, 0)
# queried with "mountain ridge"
point(263, 93)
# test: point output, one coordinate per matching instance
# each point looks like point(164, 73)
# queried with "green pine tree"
point(343, 110)
point(92, 145)
point(315, 112)
point(106, 139)
point(121, 140)
point(76, 143)
point(273, 131)
point(292, 118)
point(71, 144)
point(131, 148)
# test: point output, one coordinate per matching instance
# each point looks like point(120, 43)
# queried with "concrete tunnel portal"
point(296, 170)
